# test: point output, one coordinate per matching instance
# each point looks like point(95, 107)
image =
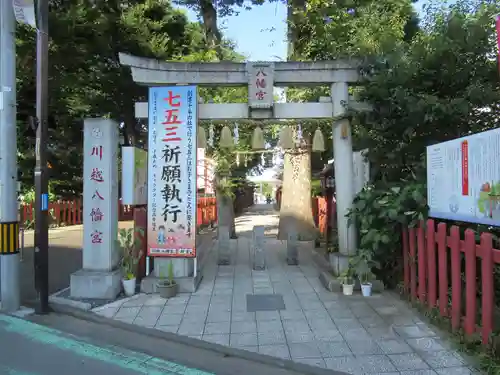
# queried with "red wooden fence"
point(70, 212)
point(428, 274)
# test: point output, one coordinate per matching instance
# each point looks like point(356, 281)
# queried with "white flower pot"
point(366, 289)
point(129, 287)
point(347, 289)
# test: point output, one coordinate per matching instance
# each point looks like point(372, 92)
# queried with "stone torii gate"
point(338, 74)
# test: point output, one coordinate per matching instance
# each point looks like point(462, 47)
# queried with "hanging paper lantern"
point(226, 139)
point(258, 142)
point(286, 138)
point(246, 160)
point(237, 159)
point(318, 144)
point(211, 135)
point(202, 137)
point(262, 160)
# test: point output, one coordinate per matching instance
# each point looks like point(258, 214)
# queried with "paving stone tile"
point(427, 344)
point(179, 299)
point(348, 364)
point(155, 300)
point(316, 362)
point(330, 349)
point(219, 316)
point(269, 326)
point(418, 372)
point(107, 312)
point(408, 361)
point(189, 328)
point(413, 331)
point(372, 322)
point(329, 335)
point(242, 316)
point(167, 319)
point(304, 350)
point(136, 301)
point(382, 333)
point(322, 324)
point(298, 337)
point(315, 315)
point(355, 334)
point(175, 309)
point(442, 358)
point(127, 312)
point(394, 346)
point(217, 339)
point(364, 347)
point(280, 351)
point(271, 338)
point(148, 316)
point(296, 325)
point(375, 363)
point(456, 371)
point(168, 328)
point(217, 328)
point(254, 349)
point(199, 300)
point(243, 339)
point(243, 327)
point(292, 315)
point(267, 315)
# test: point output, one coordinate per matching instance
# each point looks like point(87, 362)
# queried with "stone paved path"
point(357, 335)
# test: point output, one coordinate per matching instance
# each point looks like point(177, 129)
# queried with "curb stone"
point(221, 349)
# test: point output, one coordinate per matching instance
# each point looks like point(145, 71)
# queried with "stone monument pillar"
point(100, 276)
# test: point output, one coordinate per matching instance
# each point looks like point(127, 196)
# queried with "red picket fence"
point(70, 212)
point(434, 262)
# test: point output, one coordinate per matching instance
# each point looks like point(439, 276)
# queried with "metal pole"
point(9, 226)
point(41, 178)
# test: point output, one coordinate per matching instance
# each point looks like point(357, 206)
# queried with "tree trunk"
point(296, 209)
point(212, 33)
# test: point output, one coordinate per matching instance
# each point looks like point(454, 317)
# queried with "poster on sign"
point(463, 179)
point(172, 171)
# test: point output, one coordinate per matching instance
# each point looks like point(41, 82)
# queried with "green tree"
point(86, 79)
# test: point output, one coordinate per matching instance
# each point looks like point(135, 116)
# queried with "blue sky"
point(260, 33)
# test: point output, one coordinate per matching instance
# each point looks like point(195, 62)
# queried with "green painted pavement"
point(58, 343)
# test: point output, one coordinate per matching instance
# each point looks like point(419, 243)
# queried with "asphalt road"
point(65, 257)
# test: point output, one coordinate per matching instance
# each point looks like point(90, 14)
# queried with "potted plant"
point(347, 280)
point(129, 242)
point(167, 287)
point(363, 265)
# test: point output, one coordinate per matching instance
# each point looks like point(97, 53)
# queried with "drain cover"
point(265, 302)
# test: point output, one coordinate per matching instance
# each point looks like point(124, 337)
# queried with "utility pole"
point(9, 225)
point(41, 178)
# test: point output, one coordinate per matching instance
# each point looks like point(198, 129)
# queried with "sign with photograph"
point(173, 114)
point(463, 179)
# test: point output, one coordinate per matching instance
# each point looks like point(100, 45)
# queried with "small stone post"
point(292, 255)
point(259, 255)
point(223, 248)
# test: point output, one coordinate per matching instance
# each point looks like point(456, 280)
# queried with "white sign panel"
point(134, 176)
point(260, 85)
point(361, 170)
point(100, 194)
point(463, 179)
point(173, 114)
point(24, 11)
